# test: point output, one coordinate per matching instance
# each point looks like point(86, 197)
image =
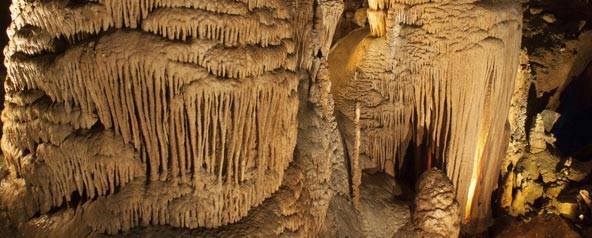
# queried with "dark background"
point(4, 22)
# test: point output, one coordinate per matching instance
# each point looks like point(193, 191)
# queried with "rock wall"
point(175, 113)
point(541, 172)
point(161, 116)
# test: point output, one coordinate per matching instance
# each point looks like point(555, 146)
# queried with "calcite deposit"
point(436, 211)
point(429, 80)
point(178, 113)
point(296, 118)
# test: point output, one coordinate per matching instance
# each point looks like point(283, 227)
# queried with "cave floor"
point(384, 210)
point(381, 212)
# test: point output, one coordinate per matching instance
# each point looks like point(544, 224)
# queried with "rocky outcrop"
point(539, 226)
point(540, 174)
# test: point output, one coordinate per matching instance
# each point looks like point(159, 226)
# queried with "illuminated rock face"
point(440, 74)
point(436, 212)
point(156, 112)
point(217, 114)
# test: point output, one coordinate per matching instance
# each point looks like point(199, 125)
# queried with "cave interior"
point(296, 118)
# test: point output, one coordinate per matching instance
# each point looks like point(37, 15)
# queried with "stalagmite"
point(435, 80)
point(356, 171)
point(436, 212)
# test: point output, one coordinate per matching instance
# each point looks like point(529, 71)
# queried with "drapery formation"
point(172, 112)
point(442, 74)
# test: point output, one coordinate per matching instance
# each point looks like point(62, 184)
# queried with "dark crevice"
point(4, 23)
point(573, 130)
point(568, 14)
point(80, 3)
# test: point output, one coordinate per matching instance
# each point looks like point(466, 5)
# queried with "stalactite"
point(377, 21)
point(92, 169)
point(59, 19)
point(211, 100)
point(255, 28)
point(163, 112)
point(32, 40)
point(442, 73)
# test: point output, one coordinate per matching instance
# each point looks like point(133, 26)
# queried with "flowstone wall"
point(218, 118)
point(124, 114)
point(441, 83)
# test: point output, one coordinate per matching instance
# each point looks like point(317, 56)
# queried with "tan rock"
point(567, 207)
point(549, 18)
point(528, 168)
point(537, 140)
point(552, 191)
point(549, 119)
point(527, 188)
point(556, 68)
point(507, 195)
point(3, 170)
point(578, 170)
point(581, 25)
point(380, 214)
point(519, 206)
point(360, 17)
point(535, 10)
point(586, 198)
point(436, 211)
point(547, 164)
point(533, 191)
point(540, 226)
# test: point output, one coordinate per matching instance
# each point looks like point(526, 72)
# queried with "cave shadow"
point(573, 130)
point(4, 23)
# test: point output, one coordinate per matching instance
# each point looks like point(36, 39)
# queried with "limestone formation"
point(539, 175)
point(436, 213)
point(232, 118)
point(380, 214)
point(425, 77)
point(124, 114)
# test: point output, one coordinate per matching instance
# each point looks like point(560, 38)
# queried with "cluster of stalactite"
point(433, 78)
point(160, 112)
point(201, 114)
